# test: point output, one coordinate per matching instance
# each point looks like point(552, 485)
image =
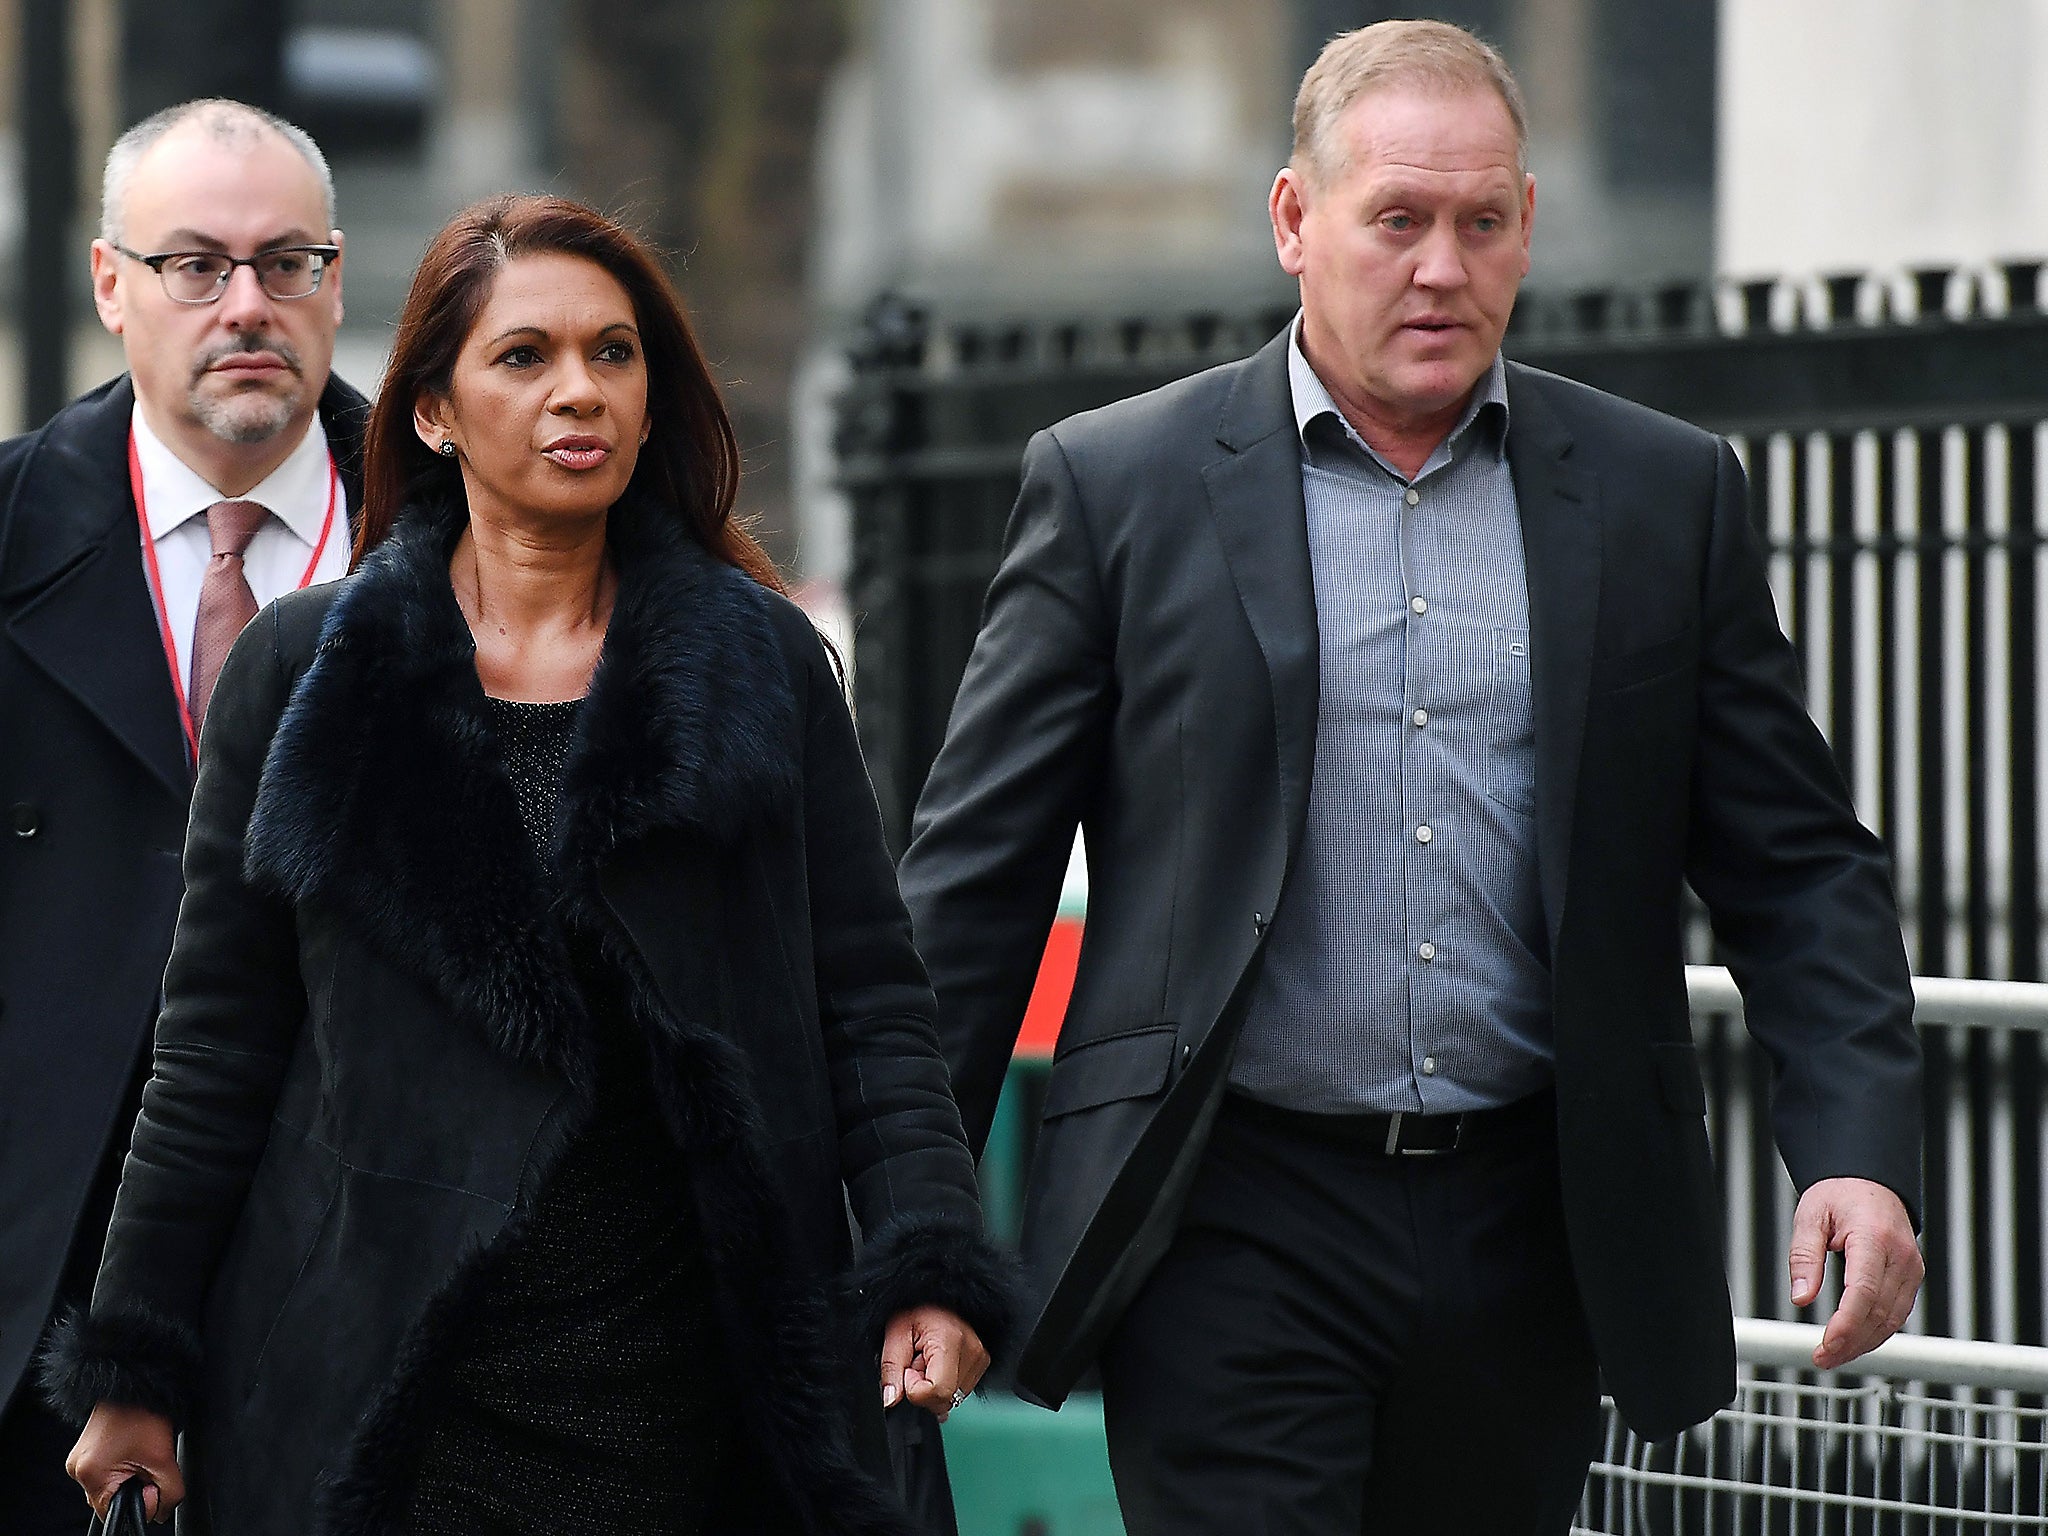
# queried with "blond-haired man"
point(1398, 690)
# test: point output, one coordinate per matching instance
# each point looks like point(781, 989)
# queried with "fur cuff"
point(937, 1261)
point(132, 1355)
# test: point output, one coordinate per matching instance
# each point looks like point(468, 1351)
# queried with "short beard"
point(253, 416)
point(244, 418)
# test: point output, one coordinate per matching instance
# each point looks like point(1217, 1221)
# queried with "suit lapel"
point(1560, 512)
point(72, 588)
point(1256, 501)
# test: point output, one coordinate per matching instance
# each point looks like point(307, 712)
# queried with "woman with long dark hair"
point(541, 998)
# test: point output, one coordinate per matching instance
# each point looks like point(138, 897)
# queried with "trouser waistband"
point(1405, 1135)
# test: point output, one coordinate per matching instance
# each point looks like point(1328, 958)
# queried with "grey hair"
point(233, 123)
point(1433, 55)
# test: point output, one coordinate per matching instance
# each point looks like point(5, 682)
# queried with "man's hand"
point(120, 1443)
point(930, 1357)
point(1881, 1266)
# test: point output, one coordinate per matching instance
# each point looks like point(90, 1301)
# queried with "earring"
point(446, 449)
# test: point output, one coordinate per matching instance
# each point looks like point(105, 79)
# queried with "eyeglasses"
point(200, 277)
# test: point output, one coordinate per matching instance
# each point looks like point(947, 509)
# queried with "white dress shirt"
point(175, 500)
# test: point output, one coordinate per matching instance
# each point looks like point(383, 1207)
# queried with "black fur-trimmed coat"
point(373, 1047)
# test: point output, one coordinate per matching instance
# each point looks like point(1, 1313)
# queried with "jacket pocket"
point(1678, 1074)
point(1131, 1065)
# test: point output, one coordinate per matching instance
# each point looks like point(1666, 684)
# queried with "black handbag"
point(126, 1513)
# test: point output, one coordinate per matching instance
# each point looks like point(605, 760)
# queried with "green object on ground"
point(1020, 1471)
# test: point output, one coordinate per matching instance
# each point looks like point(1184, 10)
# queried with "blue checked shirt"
point(1405, 968)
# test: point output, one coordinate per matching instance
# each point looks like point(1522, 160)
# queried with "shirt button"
point(1426, 950)
point(1423, 834)
point(1420, 717)
point(26, 820)
point(1419, 604)
point(1413, 496)
point(1429, 1066)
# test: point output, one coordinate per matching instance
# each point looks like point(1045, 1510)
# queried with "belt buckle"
point(1395, 1149)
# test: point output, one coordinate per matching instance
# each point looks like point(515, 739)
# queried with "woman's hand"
point(119, 1443)
point(932, 1358)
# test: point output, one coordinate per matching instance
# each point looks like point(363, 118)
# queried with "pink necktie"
point(225, 601)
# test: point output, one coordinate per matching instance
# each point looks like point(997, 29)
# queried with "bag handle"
point(127, 1515)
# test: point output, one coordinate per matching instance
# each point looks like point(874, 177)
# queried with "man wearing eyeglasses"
point(139, 530)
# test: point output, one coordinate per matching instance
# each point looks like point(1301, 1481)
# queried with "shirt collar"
point(1312, 401)
point(295, 492)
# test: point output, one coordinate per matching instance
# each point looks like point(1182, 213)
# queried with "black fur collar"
point(383, 795)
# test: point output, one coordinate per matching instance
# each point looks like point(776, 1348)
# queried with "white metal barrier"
point(1924, 1437)
point(1951, 1000)
point(1921, 1437)
point(1987, 1156)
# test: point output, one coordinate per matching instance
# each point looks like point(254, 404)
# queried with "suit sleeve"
point(234, 1005)
point(903, 1157)
point(1799, 891)
point(995, 824)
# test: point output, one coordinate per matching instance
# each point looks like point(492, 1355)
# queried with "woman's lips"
point(578, 453)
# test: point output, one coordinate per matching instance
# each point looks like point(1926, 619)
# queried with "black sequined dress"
point(585, 1395)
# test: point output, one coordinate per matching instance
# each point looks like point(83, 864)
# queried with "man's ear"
point(332, 277)
point(106, 286)
point(1528, 218)
point(1288, 205)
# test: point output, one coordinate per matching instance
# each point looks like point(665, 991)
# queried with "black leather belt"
point(1405, 1135)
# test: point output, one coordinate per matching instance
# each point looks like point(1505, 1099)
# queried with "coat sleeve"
point(1799, 891)
point(232, 1010)
point(995, 823)
point(904, 1160)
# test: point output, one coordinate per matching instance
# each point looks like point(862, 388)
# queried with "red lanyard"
point(156, 580)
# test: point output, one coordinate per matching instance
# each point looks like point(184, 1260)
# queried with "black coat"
point(1148, 669)
point(373, 1046)
point(93, 786)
